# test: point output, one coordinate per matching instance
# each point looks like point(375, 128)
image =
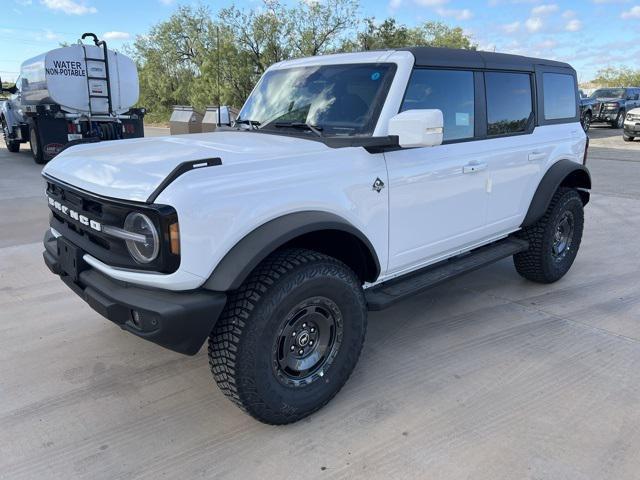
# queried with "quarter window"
point(559, 96)
point(509, 104)
point(450, 91)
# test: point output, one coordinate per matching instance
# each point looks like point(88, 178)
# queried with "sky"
point(589, 34)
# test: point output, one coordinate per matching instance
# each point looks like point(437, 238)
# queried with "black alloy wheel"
point(308, 341)
point(563, 237)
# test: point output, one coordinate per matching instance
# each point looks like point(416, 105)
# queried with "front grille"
point(97, 211)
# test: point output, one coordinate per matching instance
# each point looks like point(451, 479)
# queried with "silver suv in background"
point(631, 125)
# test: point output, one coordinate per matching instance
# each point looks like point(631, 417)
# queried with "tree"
point(389, 34)
point(197, 59)
point(617, 77)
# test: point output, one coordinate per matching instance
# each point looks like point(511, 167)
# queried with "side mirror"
point(224, 115)
point(418, 128)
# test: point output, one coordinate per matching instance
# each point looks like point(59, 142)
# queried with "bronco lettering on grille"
point(84, 220)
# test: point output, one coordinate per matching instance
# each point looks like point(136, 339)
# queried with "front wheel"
point(586, 122)
point(36, 145)
point(290, 336)
point(627, 138)
point(12, 145)
point(553, 240)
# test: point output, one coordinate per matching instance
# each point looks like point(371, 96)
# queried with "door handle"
point(534, 156)
point(474, 167)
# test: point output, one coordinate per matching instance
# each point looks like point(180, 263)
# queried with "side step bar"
point(388, 293)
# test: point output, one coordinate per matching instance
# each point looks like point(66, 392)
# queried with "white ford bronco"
point(348, 183)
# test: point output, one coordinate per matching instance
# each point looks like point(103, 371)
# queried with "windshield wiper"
point(300, 125)
point(252, 123)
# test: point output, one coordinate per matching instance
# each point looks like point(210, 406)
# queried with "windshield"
point(333, 99)
point(609, 93)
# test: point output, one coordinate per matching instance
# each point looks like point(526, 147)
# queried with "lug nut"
point(292, 348)
point(310, 342)
point(313, 329)
point(304, 325)
point(300, 351)
point(294, 334)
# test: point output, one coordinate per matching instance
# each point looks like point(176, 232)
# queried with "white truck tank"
point(66, 76)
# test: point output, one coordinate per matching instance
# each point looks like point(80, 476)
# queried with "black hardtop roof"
point(454, 57)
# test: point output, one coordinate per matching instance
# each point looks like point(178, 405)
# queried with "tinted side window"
point(451, 91)
point(509, 104)
point(559, 96)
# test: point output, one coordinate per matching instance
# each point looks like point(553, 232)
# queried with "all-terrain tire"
point(541, 262)
point(247, 343)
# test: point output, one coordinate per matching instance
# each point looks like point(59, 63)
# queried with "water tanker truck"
point(75, 94)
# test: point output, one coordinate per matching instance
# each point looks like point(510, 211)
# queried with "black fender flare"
point(564, 172)
point(245, 256)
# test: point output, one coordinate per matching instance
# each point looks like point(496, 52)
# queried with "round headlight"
point(146, 248)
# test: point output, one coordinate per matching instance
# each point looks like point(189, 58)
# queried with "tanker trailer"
point(75, 94)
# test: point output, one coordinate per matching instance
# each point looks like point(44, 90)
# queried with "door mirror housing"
point(226, 115)
point(418, 128)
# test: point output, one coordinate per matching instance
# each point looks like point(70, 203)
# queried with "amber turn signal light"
point(174, 238)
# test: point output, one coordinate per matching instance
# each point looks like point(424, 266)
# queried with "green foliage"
point(389, 34)
point(197, 59)
point(617, 77)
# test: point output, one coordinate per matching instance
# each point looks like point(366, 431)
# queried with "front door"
point(437, 195)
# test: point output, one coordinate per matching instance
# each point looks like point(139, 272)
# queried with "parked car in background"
point(612, 104)
point(586, 110)
point(631, 125)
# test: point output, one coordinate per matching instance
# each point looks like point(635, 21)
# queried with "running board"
point(388, 293)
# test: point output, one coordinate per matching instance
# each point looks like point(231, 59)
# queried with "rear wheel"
point(12, 145)
point(290, 336)
point(553, 240)
point(36, 145)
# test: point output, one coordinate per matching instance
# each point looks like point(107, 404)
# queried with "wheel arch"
point(564, 173)
point(320, 231)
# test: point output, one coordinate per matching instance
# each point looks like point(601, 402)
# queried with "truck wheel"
point(619, 121)
point(553, 240)
point(290, 336)
point(586, 122)
point(36, 146)
point(627, 138)
point(12, 145)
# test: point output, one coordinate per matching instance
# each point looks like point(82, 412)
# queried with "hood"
point(133, 169)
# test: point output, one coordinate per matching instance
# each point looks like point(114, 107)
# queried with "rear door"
point(517, 150)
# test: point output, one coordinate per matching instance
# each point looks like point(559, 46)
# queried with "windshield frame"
point(368, 128)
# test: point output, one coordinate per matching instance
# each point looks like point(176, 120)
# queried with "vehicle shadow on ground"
point(604, 131)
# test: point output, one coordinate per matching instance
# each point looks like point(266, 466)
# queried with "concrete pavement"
point(486, 377)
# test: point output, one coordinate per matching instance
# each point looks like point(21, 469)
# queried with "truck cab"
point(348, 183)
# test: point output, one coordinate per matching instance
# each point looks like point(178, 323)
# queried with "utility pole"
point(218, 72)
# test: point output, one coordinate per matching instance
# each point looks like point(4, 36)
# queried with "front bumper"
point(179, 321)
point(605, 116)
point(632, 129)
